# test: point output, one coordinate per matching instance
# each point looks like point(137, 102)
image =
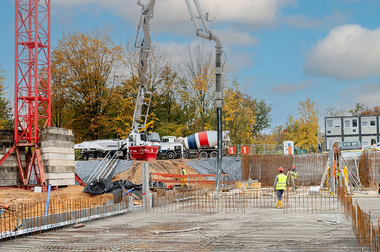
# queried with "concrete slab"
point(59, 163)
point(58, 156)
point(62, 150)
point(67, 175)
point(256, 230)
point(55, 143)
point(60, 182)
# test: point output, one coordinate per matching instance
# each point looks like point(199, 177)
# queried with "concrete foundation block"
point(54, 143)
point(60, 182)
point(58, 156)
point(56, 130)
point(13, 182)
point(60, 169)
point(10, 176)
point(57, 137)
point(68, 175)
point(4, 170)
point(58, 163)
point(62, 150)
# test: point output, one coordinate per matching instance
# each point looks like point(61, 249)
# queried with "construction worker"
point(280, 184)
point(293, 173)
point(183, 172)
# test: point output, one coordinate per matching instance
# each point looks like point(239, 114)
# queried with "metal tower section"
point(32, 84)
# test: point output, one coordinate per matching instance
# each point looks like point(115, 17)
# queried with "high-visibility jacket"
point(281, 182)
point(294, 174)
point(183, 172)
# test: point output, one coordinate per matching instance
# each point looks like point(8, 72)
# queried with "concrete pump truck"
point(100, 148)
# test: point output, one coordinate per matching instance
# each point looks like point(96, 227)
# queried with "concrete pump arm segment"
point(145, 47)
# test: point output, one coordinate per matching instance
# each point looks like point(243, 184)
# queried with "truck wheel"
point(90, 155)
point(127, 155)
point(185, 155)
point(214, 154)
point(170, 155)
point(203, 154)
point(99, 155)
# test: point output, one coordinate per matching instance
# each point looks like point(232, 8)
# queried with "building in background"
point(350, 128)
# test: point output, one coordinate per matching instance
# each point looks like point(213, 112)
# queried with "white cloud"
point(170, 15)
point(235, 60)
point(348, 52)
point(367, 94)
point(287, 88)
point(235, 37)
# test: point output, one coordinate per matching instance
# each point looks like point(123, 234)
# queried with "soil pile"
point(134, 173)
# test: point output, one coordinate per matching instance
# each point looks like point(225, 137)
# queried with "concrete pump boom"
point(218, 75)
point(145, 46)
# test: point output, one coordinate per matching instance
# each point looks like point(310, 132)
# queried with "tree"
point(263, 118)
point(304, 130)
point(359, 108)
point(6, 117)
point(198, 73)
point(332, 112)
point(372, 112)
point(239, 114)
point(82, 65)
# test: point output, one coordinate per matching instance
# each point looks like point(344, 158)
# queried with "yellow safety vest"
point(294, 174)
point(183, 172)
point(281, 182)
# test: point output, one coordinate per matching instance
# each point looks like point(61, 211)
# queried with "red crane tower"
point(32, 85)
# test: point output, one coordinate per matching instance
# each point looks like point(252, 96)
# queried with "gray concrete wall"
point(9, 175)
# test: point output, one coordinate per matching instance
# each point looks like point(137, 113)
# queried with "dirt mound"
point(134, 173)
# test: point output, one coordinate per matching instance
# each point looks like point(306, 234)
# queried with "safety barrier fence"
point(30, 218)
point(237, 201)
point(194, 180)
point(367, 234)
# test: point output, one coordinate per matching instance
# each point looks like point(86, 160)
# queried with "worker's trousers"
point(279, 194)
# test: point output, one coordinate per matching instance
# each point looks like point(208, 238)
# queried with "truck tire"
point(203, 154)
point(185, 155)
point(99, 155)
point(214, 154)
point(126, 155)
point(170, 155)
point(90, 155)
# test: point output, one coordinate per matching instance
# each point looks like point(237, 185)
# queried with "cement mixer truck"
point(201, 144)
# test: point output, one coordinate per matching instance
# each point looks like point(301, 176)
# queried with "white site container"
point(288, 147)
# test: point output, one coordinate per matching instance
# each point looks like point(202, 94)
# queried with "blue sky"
point(282, 51)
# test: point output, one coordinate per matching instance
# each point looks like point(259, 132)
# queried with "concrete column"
point(57, 149)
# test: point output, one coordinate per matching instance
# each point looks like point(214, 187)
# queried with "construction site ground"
point(258, 229)
point(16, 196)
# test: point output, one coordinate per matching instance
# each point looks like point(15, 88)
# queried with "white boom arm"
point(146, 15)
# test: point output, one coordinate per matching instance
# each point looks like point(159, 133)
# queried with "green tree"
point(6, 117)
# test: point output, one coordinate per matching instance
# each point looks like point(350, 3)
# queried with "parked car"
point(350, 145)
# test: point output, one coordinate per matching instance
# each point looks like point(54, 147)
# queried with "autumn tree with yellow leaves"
point(81, 69)
point(239, 115)
point(304, 129)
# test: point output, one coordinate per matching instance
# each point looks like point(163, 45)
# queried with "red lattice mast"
point(32, 84)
